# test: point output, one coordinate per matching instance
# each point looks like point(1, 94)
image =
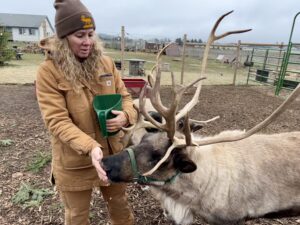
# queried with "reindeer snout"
point(105, 165)
point(117, 167)
point(112, 168)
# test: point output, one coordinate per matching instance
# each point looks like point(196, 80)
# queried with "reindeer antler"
point(128, 131)
point(170, 114)
point(212, 37)
point(154, 82)
point(258, 127)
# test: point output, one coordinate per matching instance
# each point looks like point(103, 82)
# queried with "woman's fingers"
point(116, 123)
point(97, 155)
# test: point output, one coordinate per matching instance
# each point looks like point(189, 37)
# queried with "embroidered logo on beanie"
point(87, 21)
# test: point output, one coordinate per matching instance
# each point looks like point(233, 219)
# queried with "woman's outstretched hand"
point(97, 156)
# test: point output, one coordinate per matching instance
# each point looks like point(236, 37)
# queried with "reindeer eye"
point(156, 155)
point(165, 164)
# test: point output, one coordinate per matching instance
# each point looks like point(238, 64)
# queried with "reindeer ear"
point(194, 127)
point(155, 115)
point(184, 164)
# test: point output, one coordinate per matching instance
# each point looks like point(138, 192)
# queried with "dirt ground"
point(20, 121)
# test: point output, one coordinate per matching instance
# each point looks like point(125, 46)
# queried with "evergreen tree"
point(179, 41)
point(5, 52)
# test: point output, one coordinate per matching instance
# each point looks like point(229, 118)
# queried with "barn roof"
point(22, 20)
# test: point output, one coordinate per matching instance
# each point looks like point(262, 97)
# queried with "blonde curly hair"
point(73, 70)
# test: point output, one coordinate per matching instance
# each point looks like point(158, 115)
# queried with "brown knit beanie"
point(71, 15)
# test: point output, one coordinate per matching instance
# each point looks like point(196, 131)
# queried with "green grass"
point(39, 162)
point(24, 71)
point(21, 71)
point(27, 60)
point(6, 143)
point(29, 196)
point(192, 64)
point(216, 72)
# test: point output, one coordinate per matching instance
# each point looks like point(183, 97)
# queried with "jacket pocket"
point(71, 160)
point(107, 84)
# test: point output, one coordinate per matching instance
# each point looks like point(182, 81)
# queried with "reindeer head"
point(164, 151)
point(125, 167)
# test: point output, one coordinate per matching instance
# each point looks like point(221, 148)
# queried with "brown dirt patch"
point(20, 121)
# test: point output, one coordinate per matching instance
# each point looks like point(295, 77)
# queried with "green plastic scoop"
point(103, 105)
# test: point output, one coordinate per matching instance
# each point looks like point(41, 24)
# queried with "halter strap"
point(137, 177)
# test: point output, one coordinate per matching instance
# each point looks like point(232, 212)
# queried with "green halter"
point(137, 177)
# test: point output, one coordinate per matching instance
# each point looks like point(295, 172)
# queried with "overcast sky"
point(271, 20)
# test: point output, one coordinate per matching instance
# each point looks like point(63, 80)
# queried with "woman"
point(76, 70)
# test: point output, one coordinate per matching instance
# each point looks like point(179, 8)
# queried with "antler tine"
point(142, 110)
point(128, 131)
point(173, 81)
point(212, 37)
point(256, 128)
point(192, 103)
point(155, 95)
point(155, 83)
point(168, 113)
point(184, 88)
point(162, 50)
point(204, 122)
point(140, 124)
point(150, 76)
point(176, 143)
point(213, 30)
point(187, 130)
point(158, 57)
point(231, 32)
point(217, 37)
point(150, 80)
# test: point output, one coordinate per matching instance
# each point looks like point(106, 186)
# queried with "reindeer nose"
point(103, 165)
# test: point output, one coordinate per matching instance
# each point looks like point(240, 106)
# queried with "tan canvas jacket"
point(73, 125)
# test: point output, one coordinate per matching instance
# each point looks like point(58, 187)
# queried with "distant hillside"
point(107, 36)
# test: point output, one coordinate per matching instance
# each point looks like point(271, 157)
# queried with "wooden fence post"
point(237, 62)
point(183, 58)
point(122, 49)
point(280, 55)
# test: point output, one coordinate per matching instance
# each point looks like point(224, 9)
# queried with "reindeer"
point(225, 179)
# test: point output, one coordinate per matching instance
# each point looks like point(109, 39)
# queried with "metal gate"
point(279, 66)
point(265, 65)
point(289, 76)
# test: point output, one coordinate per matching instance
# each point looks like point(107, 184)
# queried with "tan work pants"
point(77, 204)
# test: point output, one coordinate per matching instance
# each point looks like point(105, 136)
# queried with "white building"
point(29, 28)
